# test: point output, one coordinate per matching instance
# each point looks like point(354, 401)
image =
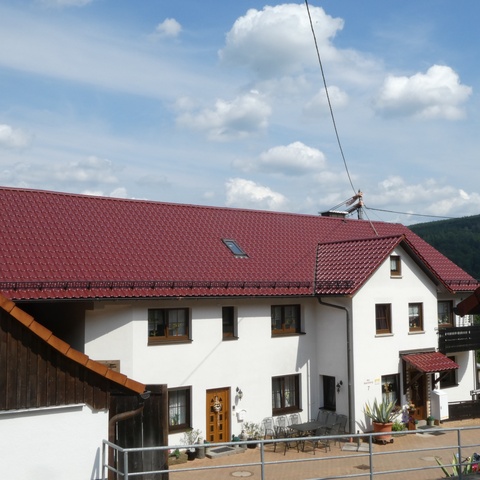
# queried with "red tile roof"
point(57, 245)
point(430, 362)
point(343, 267)
point(65, 349)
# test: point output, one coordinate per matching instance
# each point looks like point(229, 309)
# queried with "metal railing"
point(459, 444)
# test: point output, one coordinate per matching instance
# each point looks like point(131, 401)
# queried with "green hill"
point(458, 239)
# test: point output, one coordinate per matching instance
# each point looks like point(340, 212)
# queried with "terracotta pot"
point(383, 428)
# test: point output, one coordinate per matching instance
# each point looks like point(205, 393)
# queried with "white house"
point(243, 314)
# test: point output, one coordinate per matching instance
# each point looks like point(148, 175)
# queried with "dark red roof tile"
point(430, 362)
point(65, 246)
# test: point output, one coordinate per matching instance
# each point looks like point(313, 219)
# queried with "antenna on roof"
point(352, 207)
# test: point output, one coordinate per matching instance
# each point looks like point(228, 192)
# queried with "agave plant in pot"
point(382, 416)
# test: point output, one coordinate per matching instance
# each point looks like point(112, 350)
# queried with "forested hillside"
point(458, 239)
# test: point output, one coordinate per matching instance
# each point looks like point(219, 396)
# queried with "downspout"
point(349, 361)
point(119, 417)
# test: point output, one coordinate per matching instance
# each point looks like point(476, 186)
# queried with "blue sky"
point(222, 103)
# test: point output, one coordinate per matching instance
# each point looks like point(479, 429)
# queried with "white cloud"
point(293, 159)
point(13, 138)
point(248, 194)
point(432, 197)
point(228, 120)
point(168, 28)
point(90, 169)
point(318, 105)
point(278, 40)
point(437, 93)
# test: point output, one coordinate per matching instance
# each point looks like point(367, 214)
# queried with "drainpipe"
point(349, 361)
point(119, 417)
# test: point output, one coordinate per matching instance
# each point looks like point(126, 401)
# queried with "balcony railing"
point(459, 339)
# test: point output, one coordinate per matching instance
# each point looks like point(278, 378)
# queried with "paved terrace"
point(411, 450)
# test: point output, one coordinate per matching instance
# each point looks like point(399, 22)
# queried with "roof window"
point(234, 248)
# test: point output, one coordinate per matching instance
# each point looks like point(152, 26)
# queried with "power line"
point(409, 214)
point(328, 97)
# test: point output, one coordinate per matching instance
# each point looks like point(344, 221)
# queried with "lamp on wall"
point(339, 385)
point(239, 393)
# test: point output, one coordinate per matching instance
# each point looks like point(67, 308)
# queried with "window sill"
point(396, 276)
point(416, 332)
point(229, 339)
point(295, 334)
point(158, 341)
point(386, 334)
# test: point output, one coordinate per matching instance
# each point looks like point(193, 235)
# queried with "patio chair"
point(294, 418)
point(312, 440)
point(282, 430)
point(268, 427)
point(342, 420)
point(322, 416)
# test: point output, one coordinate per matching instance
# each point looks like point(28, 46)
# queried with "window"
point(168, 324)
point(390, 389)
point(234, 248)
point(285, 394)
point(445, 313)
point(179, 400)
point(329, 393)
point(285, 319)
point(449, 378)
point(395, 266)
point(229, 323)
point(415, 317)
point(383, 318)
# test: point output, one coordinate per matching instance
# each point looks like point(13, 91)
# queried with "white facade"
point(119, 331)
point(54, 443)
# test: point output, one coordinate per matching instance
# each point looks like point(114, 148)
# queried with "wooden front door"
point(418, 393)
point(218, 415)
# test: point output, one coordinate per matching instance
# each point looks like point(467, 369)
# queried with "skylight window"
point(234, 248)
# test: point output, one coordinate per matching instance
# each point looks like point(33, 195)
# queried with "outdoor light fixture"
point(339, 385)
point(239, 393)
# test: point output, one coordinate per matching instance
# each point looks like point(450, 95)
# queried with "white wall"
point(377, 355)
point(209, 362)
point(52, 443)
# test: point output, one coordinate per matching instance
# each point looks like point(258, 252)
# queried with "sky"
point(223, 103)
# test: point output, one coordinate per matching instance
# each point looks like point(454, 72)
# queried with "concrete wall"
point(54, 443)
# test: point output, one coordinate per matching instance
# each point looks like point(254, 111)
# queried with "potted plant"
point(253, 431)
point(189, 438)
point(430, 421)
point(382, 416)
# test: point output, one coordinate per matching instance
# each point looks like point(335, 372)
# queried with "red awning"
point(430, 362)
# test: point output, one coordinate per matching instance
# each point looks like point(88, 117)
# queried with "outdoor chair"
point(322, 416)
point(342, 420)
point(313, 441)
point(294, 418)
point(268, 427)
point(282, 430)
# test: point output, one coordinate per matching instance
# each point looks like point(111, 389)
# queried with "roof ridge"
point(67, 350)
point(367, 239)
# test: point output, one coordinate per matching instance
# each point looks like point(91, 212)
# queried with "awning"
point(430, 362)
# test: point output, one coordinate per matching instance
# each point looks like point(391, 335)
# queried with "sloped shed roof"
point(65, 246)
point(39, 369)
